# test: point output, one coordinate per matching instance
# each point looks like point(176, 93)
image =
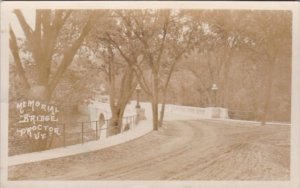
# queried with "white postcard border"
point(6, 7)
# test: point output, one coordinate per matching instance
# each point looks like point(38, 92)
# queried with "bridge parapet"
point(207, 113)
point(98, 108)
point(185, 109)
point(171, 110)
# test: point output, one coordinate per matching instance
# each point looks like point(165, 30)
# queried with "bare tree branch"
point(26, 28)
point(70, 52)
point(15, 52)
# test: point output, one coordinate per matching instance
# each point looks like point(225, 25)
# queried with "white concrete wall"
point(96, 108)
point(172, 112)
point(184, 112)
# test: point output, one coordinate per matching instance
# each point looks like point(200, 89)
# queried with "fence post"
point(96, 130)
point(64, 134)
point(82, 138)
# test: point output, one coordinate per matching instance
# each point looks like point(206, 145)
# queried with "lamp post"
point(138, 89)
point(214, 88)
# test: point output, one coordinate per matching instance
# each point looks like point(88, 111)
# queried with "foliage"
point(175, 55)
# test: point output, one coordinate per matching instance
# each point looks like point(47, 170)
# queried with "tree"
point(46, 52)
point(217, 46)
point(269, 43)
point(164, 38)
point(232, 52)
point(179, 45)
point(117, 54)
point(43, 42)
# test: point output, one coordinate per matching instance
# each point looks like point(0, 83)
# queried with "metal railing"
point(70, 133)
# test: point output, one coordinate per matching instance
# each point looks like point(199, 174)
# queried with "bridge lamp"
point(214, 88)
point(138, 89)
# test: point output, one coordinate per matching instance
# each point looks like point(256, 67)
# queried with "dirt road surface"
point(181, 150)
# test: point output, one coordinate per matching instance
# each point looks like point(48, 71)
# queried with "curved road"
point(181, 150)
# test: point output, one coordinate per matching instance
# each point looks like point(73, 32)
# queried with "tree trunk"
point(115, 124)
point(162, 110)
point(155, 102)
point(118, 109)
point(120, 118)
point(39, 93)
point(155, 114)
point(113, 127)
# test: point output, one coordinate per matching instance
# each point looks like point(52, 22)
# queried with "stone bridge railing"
point(209, 112)
point(185, 109)
point(94, 110)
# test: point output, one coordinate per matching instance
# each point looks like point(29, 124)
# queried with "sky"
point(29, 15)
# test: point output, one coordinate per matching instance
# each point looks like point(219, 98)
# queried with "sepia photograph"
point(149, 94)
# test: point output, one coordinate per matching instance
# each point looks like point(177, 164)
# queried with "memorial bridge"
point(204, 143)
point(96, 128)
point(80, 137)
